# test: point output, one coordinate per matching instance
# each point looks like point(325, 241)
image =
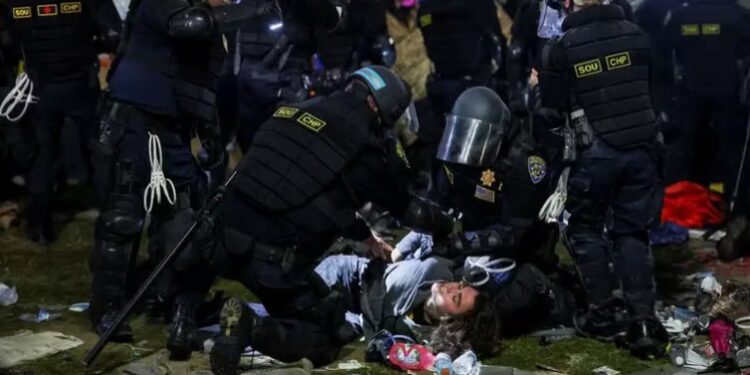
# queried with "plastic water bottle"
point(443, 364)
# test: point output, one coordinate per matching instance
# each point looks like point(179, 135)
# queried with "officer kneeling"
point(598, 73)
point(310, 167)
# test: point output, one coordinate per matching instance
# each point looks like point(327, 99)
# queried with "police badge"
point(537, 169)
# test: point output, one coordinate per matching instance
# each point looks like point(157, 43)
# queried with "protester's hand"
point(379, 249)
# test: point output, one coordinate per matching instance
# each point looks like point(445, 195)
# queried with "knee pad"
point(124, 217)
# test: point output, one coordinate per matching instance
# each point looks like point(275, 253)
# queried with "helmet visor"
point(407, 126)
point(469, 141)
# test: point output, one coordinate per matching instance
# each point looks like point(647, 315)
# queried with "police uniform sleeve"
point(325, 14)
point(553, 85)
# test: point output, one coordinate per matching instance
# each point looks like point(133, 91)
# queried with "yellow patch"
point(690, 30)
point(588, 68)
point(711, 29)
point(448, 173)
point(72, 7)
point(425, 20)
point(402, 154)
point(311, 122)
point(46, 10)
point(285, 112)
point(22, 12)
point(488, 178)
point(484, 194)
point(618, 61)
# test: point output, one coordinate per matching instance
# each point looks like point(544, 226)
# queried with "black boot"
point(647, 339)
point(237, 323)
point(182, 333)
point(123, 334)
point(39, 228)
point(737, 240)
point(605, 322)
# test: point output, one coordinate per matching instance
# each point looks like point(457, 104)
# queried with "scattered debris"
point(8, 295)
point(687, 355)
point(79, 307)
point(549, 369)
point(42, 316)
point(604, 370)
point(349, 365)
point(466, 364)
point(27, 346)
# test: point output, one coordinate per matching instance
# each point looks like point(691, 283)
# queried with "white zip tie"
point(743, 323)
point(159, 184)
point(488, 265)
point(21, 93)
point(555, 204)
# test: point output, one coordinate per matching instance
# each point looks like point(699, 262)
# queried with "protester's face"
point(453, 298)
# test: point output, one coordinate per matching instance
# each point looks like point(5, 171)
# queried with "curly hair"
point(478, 331)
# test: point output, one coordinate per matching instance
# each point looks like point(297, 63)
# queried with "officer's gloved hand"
point(212, 154)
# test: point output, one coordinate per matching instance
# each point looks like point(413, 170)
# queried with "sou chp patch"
point(537, 169)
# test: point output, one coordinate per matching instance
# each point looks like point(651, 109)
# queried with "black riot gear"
point(606, 74)
point(475, 128)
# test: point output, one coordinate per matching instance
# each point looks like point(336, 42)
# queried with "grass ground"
point(59, 276)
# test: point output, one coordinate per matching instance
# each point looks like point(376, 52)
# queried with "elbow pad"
point(193, 22)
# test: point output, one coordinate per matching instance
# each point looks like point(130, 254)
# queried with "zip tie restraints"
point(20, 94)
point(555, 204)
point(159, 184)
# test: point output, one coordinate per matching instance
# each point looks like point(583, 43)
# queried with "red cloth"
point(692, 206)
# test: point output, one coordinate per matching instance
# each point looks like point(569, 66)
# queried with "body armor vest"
point(197, 68)
point(453, 39)
point(56, 38)
point(300, 153)
point(608, 69)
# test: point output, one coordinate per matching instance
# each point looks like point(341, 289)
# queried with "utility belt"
point(287, 258)
point(577, 134)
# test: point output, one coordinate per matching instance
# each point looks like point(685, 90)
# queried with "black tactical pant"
point(120, 224)
point(306, 318)
point(688, 146)
point(75, 100)
point(619, 190)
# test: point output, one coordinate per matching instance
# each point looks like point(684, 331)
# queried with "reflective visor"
point(469, 141)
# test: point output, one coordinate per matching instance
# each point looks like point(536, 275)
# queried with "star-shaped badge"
point(488, 178)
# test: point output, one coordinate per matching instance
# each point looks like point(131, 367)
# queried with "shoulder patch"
point(537, 169)
point(71, 7)
point(618, 61)
point(311, 122)
point(402, 154)
point(285, 112)
point(711, 29)
point(425, 20)
point(689, 30)
point(22, 12)
point(484, 194)
point(46, 10)
point(588, 68)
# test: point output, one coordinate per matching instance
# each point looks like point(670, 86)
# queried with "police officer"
point(60, 56)
point(597, 73)
point(162, 89)
point(707, 38)
point(465, 43)
point(491, 176)
point(273, 58)
point(361, 40)
point(310, 167)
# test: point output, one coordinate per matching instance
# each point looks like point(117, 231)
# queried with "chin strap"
point(159, 184)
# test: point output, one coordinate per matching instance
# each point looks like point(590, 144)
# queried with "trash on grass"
point(349, 365)
point(42, 316)
point(8, 295)
point(604, 370)
point(79, 307)
point(25, 347)
point(721, 333)
point(693, 357)
point(466, 364)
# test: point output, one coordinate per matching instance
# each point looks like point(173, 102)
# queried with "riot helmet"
point(475, 128)
point(392, 96)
